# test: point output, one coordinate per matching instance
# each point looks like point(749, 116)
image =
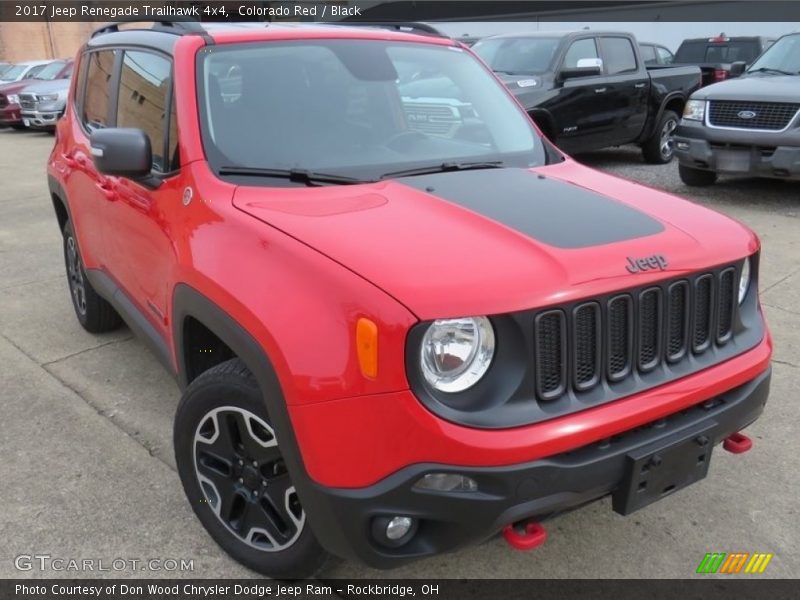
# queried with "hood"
point(47, 87)
point(500, 240)
point(15, 86)
point(755, 87)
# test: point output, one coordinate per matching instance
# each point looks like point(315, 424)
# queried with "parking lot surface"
point(85, 435)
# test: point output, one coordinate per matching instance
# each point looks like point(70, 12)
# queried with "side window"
point(96, 97)
point(648, 55)
point(665, 57)
point(618, 55)
point(144, 88)
point(578, 50)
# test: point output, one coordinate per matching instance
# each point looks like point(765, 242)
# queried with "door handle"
point(74, 161)
point(639, 86)
point(599, 90)
point(108, 189)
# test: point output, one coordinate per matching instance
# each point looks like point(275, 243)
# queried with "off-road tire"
point(94, 313)
point(222, 399)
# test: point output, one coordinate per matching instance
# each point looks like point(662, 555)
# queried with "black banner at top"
point(712, 11)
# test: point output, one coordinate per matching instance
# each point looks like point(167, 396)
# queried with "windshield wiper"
point(770, 70)
point(298, 175)
point(445, 167)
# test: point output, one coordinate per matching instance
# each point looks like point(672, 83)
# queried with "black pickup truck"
point(590, 89)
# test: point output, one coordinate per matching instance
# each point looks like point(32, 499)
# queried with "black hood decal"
point(550, 211)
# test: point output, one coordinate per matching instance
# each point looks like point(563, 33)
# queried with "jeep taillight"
point(720, 74)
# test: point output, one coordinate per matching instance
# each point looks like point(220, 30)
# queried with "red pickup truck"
point(394, 336)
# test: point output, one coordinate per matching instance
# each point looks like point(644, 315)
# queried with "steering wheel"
point(397, 138)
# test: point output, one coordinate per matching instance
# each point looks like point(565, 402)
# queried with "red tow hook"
point(737, 443)
point(534, 536)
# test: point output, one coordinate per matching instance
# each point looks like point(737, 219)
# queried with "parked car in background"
point(589, 89)
point(10, 110)
point(747, 126)
point(4, 67)
point(715, 55)
point(23, 70)
point(655, 54)
point(42, 103)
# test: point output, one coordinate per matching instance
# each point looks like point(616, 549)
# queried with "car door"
point(627, 89)
point(86, 188)
point(579, 110)
point(140, 215)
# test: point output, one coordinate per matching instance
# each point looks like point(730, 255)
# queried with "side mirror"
point(122, 152)
point(737, 68)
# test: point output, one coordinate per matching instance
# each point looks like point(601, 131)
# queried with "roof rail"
point(165, 25)
point(403, 26)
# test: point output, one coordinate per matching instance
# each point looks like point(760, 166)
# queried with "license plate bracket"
point(663, 468)
point(733, 160)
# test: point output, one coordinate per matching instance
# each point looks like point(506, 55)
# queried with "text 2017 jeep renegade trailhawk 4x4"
point(401, 325)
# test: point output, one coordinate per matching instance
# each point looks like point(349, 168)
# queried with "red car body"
point(292, 270)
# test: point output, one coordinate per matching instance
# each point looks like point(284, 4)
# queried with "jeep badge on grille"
point(647, 263)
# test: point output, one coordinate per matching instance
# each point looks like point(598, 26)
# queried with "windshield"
point(50, 71)
point(14, 72)
point(356, 108)
point(518, 56)
point(783, 55)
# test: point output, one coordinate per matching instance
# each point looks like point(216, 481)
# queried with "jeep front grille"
point(565, 358)
point(615, 339)
point(773, 116)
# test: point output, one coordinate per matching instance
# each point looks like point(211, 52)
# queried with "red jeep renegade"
point(402, 321)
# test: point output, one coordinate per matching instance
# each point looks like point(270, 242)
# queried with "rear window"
point(717, 52)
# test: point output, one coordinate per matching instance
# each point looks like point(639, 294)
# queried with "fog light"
point(682, 145)
point(395, 531)
point(446, 482)
point(398, 527)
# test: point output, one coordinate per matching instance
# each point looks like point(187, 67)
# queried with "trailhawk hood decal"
point(499, 240)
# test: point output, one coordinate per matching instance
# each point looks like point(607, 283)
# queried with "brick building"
point(31, 41)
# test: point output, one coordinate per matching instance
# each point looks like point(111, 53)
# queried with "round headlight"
point(456, 353)
point(744, 280)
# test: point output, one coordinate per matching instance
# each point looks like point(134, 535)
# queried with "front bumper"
point(739, 152)
point(10, 115)
point(41, 119)
point(342, 518)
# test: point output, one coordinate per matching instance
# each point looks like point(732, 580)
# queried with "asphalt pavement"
point(87, 470)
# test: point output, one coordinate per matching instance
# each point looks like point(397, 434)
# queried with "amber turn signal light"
point(367, 344)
